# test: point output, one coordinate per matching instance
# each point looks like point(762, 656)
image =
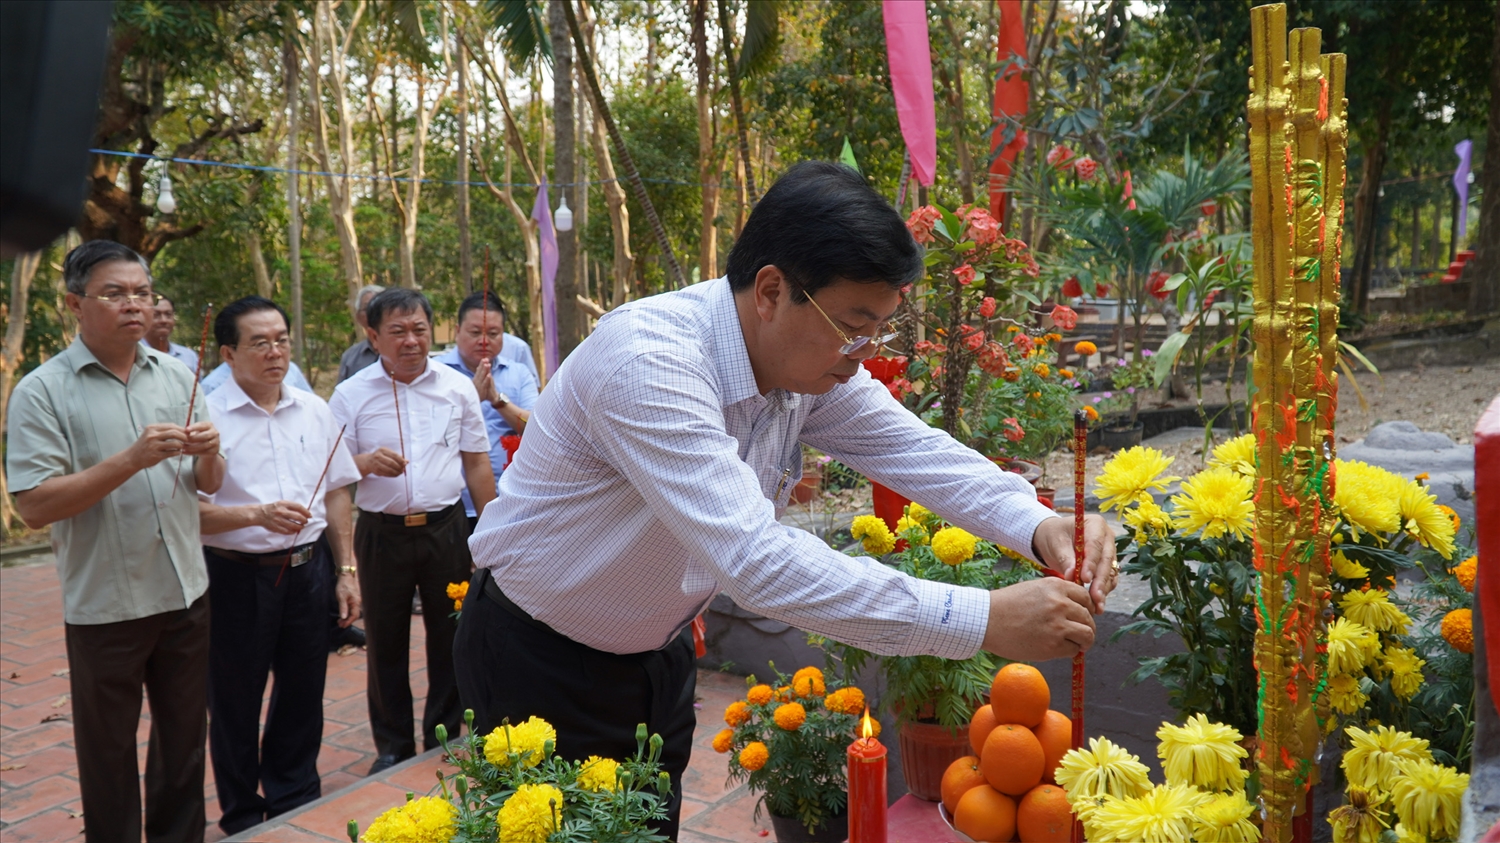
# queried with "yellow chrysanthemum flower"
point(1131, 475)
point(1361, 820)
point(528, 740)
point(426, 819)
point(1348, 568)
point(754, 756)
point(849, 700)
point(1148, 519)
point(1374, 610)
point(1202, 754)
point(1216, 501)
point(912, 530)
point(1225, 819)
point(598, 774)
point(1161, 815)
point(1375, 757)
point(1351, 645)
point(724, 741)
point(1104, 769)
point(808, 682)
point(1366, 496)
point(1238, 455)
point(1345, 694)
point(1458, 630)
point(1405, 667)
point(1429, 798)
point(874, 534)
point(758, 695)
point(1423, 520)
point(1406, 835)
point(530, 815)
point(790, 716)
point(1466, 572)
point(953, 546)
point(737, 714)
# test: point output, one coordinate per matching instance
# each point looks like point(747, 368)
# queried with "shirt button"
point(162, 505)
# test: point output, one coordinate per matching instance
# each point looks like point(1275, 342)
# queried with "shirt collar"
point(235, 396)
point(451, 357)
point(428, 372)
point(727, 344)
point(80, 356)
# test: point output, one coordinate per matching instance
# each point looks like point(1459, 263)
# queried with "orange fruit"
point(1043, 815)
point(1019, 694)
point(1012, 759)
point(984, 813)
point(979, 727)
point(958, 778)
point(1056, 736)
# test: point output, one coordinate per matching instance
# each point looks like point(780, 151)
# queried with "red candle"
point(867, 800)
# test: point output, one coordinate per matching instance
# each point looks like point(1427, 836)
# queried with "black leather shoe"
point(348, 635)
point(383, 763)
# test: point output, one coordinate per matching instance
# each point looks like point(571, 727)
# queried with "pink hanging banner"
point(910, 57)
point(542, 213)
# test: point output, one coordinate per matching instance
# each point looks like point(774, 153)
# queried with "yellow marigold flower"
point(1345, 694)
point(912, 530)
point(1348, 568)
point(874, 534)
point(1043, 369)
point(1052, 337)
point(790, 716)
point(530, 814)
point(1131, 475)
point(1065, 374)
point(1164, 813)
point(1373, 609)
point(426, 819)
point(457, 591)
point(598, 774)
point(1458, 630)
point(1148, 519)
point(1405, 667)
point(1429, 798)
point(1366, 496)
point(1104, 769)
point(1202, 754)
point(1350, 646)
point(919, 513)
point(724, 741)
point(1225, 819)
point(849, 700)
point(953, 546)
point(1085, 348)
point(1423, 521)
point(1216, 501)
point(1466, 571)
point(1375, 757)
point(808, 682)
point(737, 714)
point(1238, 454)
point(758, 695)
point(1361, 820)
point(754, 756)
point(528, 740)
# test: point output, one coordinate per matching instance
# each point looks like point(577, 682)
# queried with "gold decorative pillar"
point(1297, 140)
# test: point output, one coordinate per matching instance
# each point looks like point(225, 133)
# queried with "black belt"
point(292, 557)
point(492, 591)
point(417, 519)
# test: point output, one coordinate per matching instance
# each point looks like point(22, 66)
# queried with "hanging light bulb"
point(165, 201)
point(563, 219)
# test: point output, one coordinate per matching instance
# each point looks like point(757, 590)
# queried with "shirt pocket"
point(170, 414)
point(443, 427)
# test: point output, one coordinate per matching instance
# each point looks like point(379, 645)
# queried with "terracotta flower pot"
point(927, 750)
point(806, 488)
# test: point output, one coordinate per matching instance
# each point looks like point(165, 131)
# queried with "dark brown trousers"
point(108, 664)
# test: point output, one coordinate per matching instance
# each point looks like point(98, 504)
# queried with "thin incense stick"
point(401, 439)
point(310, 501)
point(193, 398)
point(1080, 451)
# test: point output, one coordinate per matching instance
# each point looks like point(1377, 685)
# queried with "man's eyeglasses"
point(263, 347)
point(117, 299)
point(853, 344)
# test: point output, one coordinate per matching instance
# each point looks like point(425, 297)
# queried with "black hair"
point(396, 300)
point(168, 299)
point(85, 256)
point(227, 323)
point(820, 223)
point(472, 302)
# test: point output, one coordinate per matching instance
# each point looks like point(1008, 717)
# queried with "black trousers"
point(108, 663)
point(393, 560)
point(262, 626)
point(592, 698)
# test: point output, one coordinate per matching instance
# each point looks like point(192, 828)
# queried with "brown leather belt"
point(299, 555)
point(416, 519)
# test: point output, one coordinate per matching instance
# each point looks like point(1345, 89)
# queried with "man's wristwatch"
point(500, 400)
point(348, 569)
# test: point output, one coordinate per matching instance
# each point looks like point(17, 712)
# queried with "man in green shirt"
point(98, 449)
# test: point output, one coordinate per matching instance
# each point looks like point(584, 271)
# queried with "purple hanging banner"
point(910, 57)
point(542, 213)
point(1465, 152)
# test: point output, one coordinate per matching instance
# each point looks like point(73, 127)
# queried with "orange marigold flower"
point(1085, 348)
point(724, 741)
point(1054, 337)
point(874, 728)
point(759, 695)
point(1043, 369)
point(808, 682)
point(784, 694)
point(1466, 571)
point(1458, 630)
point(849, 700)
point(1066, 374)
point(1091, 413)
point(1423, 476)
point(790, 716)
point(1013, 328)
point(737, 714)
point(457, 591)
point(754, 756)
point(1452, 516)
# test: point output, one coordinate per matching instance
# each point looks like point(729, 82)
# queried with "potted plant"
point(788, 740)
point(1129, 380)
point(932, 698)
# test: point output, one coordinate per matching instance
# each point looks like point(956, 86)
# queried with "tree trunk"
point(258, 264)
point(953, 91)
point(465, 256)
point(708, 157)
point(1484, 268)
point(293, 201)
point(422, 118)
point(1366, 205)
point(570, 325)
point(727, 45)
point(22, 273)
point(340, 191)
point(615, 200)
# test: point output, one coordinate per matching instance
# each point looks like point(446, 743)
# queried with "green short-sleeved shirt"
point(136, 553)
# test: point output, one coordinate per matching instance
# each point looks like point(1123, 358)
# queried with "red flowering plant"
point(1027, 411)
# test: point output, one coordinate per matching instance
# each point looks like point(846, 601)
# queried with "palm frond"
point(762, 39)
point(523, 29)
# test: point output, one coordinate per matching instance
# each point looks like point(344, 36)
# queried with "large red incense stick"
point(193, 398)
point(1080, 451)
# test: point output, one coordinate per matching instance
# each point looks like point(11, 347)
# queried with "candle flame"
point(866, 730)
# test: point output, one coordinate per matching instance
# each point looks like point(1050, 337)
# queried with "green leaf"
point(1166, 356)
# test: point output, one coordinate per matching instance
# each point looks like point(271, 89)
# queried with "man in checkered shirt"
point(660, 455)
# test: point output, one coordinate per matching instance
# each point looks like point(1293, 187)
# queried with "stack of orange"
point(1007, 786)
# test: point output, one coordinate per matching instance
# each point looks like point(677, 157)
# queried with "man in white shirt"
point(662, 452)
point(159, 335)
point(418, 438)
point(270, 578)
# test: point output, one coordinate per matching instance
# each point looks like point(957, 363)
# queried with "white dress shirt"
point(276, 456)
point(654, 471)
point(440, 417)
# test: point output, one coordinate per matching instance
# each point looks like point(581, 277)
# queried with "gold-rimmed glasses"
point(852, 344)
point(117, 299)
